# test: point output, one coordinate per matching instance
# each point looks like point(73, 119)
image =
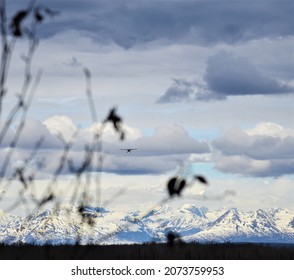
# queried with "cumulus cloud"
point(19, 144)
point(161, 152)
point(33, 131)
point(30, 134)
point(171, 139)
point(270, 129)
point(61, 126)
point(265, 151)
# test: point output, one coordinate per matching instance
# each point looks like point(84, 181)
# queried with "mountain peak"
point(231, 215)
point(63, 225)
point(199, 211)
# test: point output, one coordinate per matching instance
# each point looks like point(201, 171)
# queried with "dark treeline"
point(185, 251)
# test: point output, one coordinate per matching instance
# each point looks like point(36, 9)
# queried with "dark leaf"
point(38, 16)
point(171, 186)
point(175, 186)
point(115, 119)
point(17, 21)
point(172, 238)
point(201, 179)
point(181, 186)
point(81, 209)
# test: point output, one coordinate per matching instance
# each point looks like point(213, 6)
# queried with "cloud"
point(128, 23)
point(229, 75)
point(17, 149)
point(138, 165)
point(183, 90)
point(226, 75)
point(270, 129)
point(60, 125)
point(159, 153)
point(171, 139)
point(265, 151)
point(32, 132)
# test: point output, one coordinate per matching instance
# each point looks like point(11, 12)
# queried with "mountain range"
point(96, 225)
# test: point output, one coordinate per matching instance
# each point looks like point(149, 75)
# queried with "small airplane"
point(129, 150)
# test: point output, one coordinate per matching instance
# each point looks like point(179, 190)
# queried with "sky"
point(202, 87)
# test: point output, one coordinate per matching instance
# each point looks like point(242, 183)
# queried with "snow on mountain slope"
point(239, 226)
point(283, 217)
point(10, 227)
point(69, 224)
point(185, 221)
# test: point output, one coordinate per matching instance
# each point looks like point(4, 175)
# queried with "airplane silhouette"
point(129, 150)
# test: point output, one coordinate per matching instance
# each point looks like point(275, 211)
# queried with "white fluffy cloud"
point(171, 139)
point(271, 130)
point(61, 126)
point(263, 151)
point(159, 153)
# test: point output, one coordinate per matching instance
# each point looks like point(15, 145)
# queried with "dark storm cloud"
point(226, 75)
point(230, 75)
point(128, 23)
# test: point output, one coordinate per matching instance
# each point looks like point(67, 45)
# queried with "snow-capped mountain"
point(88, 225)
point(237, 226)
